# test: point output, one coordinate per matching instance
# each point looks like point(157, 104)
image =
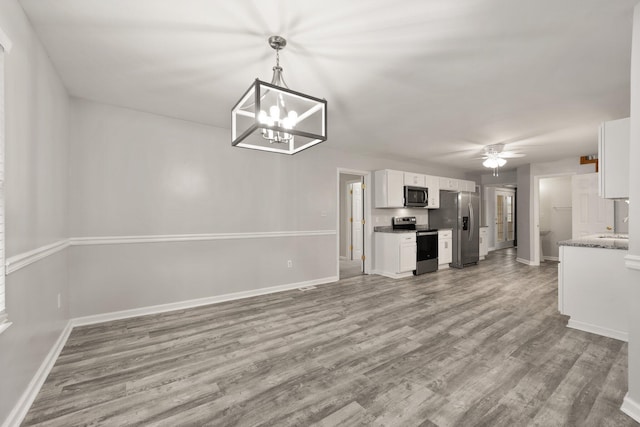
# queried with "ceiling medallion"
point(272, 117)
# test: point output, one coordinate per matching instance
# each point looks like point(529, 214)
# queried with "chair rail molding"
point(25, 259)
point(632, 261)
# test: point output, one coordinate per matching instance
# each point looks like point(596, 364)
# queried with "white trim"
point(394, 275)
point(19, 411)
point(118, 240)
point(551, 258)
point(22, 260)
point(631, 408)
point(367, 248)
point(4, 326)
point(491, 249)
point(527, 262)
point(599, 330)
point(162, 308)
point(632, 262)
point(5, 41)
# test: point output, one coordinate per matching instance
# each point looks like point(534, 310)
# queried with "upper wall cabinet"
point(389, 189)
point(464, 185)
point(449, 184)
point(613, 158)
point(415, 179)
point(433, 184)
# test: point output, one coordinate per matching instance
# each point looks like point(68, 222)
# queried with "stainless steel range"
point(426, 244)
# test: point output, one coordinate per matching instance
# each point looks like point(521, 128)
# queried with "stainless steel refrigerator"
point(461, 212)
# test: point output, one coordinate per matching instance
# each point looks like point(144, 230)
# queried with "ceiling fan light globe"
point(490, 163)
point(501, 161)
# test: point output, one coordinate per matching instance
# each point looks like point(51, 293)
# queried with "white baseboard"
point(162, 308)
point(19, 411)
point(599, 330)
point(393, 275)
point(631, 408)
point(491, 249)
point(527, 262)
point(551, 258)
point(343, 258)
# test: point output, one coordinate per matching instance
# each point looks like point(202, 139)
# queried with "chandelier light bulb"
point(274, 112)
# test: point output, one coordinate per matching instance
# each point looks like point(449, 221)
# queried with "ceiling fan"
point(495, 157)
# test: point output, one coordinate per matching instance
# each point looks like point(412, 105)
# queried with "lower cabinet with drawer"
point(445, 254)
point(484, 242)
point(395, 254)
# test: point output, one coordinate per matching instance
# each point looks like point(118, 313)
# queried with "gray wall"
point(36, 204)
point(134, 173)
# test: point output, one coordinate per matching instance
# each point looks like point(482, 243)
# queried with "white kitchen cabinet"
point(395, 254)
point(590, 214)
point(433, 184)
point(445, 251)
point(465, 185)
point(389, 189)
point(414, 179)
point(448, 184)
point(484, 242)
point(613, 159)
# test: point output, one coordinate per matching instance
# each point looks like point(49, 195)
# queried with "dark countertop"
point(389, 229)
point(598, 242)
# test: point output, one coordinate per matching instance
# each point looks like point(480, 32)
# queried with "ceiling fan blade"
point(510, 155)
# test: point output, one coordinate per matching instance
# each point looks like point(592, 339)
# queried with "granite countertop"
point(604, 241)
point(389, 229)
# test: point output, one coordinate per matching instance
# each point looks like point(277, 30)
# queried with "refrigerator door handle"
point(472, 220)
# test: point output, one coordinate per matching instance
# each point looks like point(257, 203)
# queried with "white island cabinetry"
point(395, 254)
point(593, 289)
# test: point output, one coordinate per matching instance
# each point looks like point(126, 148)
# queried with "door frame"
point(514, 213)
point(367, 234)
point(349, 224)
point(534, 230)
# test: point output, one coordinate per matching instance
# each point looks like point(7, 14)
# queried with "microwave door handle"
point(426, 196)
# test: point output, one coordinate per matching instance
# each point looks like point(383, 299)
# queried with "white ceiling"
point(426, 80)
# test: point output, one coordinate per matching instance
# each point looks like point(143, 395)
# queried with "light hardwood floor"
point(350, 268)
point(480, 346)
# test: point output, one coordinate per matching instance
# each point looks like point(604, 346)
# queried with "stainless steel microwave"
point(416, 197)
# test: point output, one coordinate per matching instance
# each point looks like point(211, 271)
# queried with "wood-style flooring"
point(350, 268)
point(480, 346)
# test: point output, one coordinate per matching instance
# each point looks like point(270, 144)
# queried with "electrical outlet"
point(59, 301)
point(289, 264)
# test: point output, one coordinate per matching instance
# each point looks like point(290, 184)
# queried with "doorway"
point(505, 209)
point(352, 224)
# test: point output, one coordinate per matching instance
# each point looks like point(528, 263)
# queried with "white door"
point(356, 224)
point(591, 214)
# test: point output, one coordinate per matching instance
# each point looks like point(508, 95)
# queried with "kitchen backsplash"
point(382, 217)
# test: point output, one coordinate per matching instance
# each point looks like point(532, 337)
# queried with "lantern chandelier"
point(272, 117)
